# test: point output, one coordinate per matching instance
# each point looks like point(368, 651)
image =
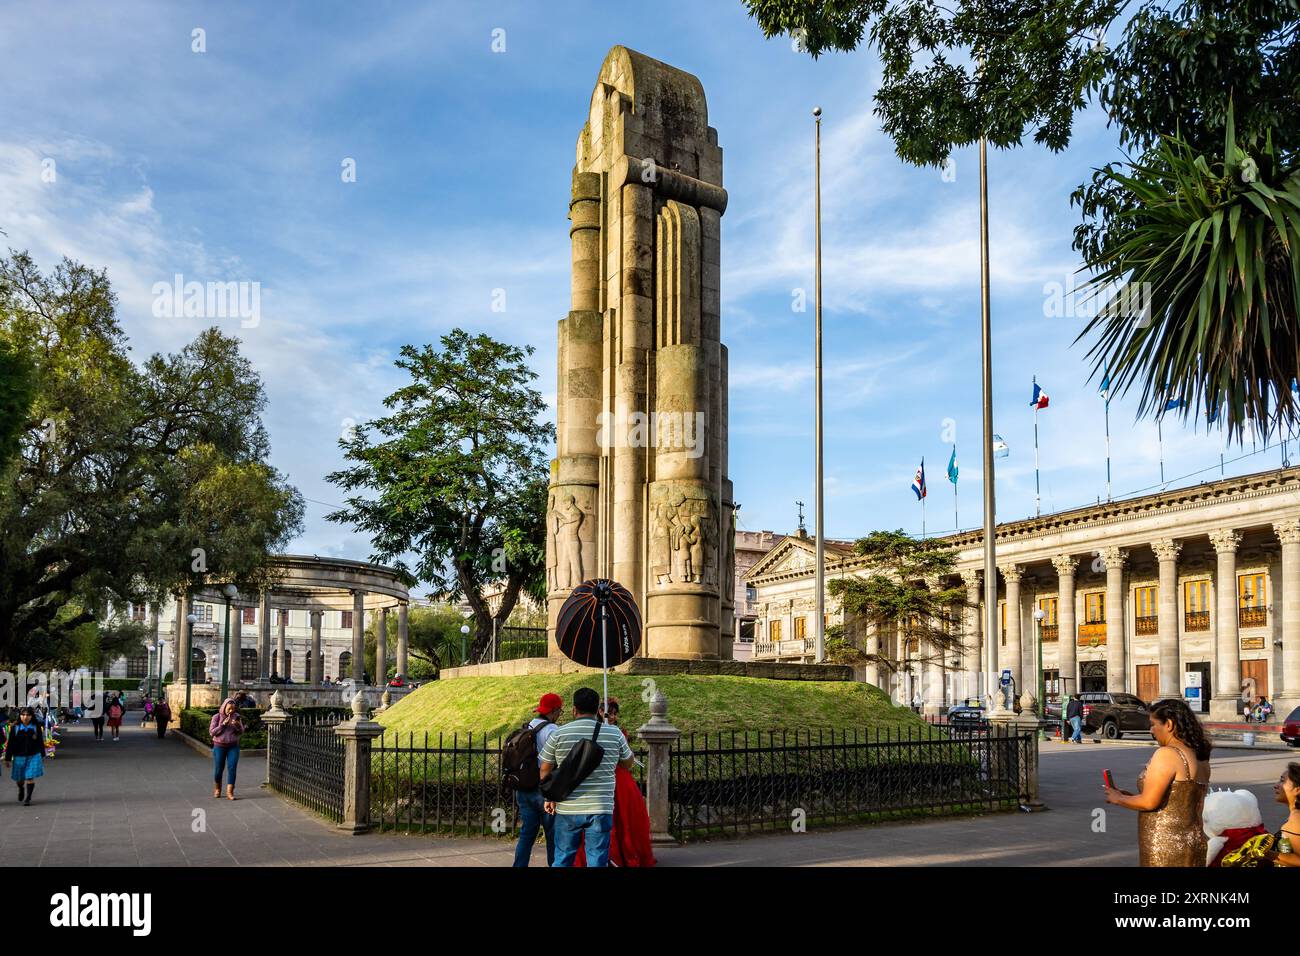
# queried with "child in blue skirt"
point(24, 750)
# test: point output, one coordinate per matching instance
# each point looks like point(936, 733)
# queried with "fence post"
point(357, 734)
point(660, 735)
point(273, 719)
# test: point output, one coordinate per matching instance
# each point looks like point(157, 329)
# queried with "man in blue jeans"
point(589, 810)
point(532, 813)
point(1074, 713)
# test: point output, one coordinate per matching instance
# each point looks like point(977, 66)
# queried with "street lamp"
point(189, 650)
point(231, 593)
point(1039, 614)
point(159, 651)
point(464, 631)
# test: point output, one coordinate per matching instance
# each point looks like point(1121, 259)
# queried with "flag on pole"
point(1040, 397)
point(918, 483)
point(1105, 387)
point(952, 466)
point(1000, 447)
point(1172, 403)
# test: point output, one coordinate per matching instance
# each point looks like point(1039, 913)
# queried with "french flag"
point(1040, 397)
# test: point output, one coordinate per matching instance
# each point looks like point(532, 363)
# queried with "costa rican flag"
point(918, 483)
point(1040, 397)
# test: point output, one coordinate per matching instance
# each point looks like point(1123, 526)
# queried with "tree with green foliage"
point(894, 594)
point(1168, 76)
point(458, 474)
point(433, 639)
point(130, 482)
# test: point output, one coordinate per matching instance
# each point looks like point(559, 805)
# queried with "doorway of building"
point(1201, 704)
point(1256, 671)
point(1148, 682)
point(1092, 676)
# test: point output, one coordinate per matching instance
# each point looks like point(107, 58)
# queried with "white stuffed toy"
point(1230, 818)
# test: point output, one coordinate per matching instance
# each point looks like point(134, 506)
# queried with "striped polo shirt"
point(596, 793)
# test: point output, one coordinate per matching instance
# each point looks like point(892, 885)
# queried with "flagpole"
point(986, 386)
point(1108, 498)
point(956, 521)
point(820, 544)
point(1037, 492)
point(1160, 440)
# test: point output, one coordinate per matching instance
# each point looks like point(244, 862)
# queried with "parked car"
point(967, 716)
point(1114, 715)
point(1291, 728)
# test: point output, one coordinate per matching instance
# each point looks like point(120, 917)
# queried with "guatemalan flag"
point(1040, 397)
point(918, 483)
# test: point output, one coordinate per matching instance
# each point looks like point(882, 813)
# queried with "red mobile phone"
point(1107, 779)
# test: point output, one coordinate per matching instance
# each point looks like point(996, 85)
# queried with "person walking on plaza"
point(115, 712)
point(587, 812)
point(98, 711)
point(1171, 790)
point(162, 715)
point(527, 744)
point(25, 752)
point(225, 729)
point(1074, 714)
point(148, 710)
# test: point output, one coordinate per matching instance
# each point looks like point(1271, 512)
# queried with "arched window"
point(345, 665)
point(248, 664)
point(307, 674)
point(198, 666)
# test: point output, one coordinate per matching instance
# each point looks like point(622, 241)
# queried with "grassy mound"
point(696, 703)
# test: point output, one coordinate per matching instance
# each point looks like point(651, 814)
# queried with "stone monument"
point(639, 489)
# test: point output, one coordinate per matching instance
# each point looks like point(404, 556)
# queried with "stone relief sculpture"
point(568, 543)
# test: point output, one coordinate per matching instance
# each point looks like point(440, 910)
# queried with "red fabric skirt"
point(629, 840)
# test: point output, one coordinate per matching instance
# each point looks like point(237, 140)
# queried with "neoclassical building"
point(1190, 592)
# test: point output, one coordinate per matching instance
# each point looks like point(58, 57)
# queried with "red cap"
point(548, 703)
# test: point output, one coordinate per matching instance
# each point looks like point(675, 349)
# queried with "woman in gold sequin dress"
point(1171, 790)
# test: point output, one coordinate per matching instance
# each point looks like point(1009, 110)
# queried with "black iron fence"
point(743, 782)
point(443, 783)
point(305, 762)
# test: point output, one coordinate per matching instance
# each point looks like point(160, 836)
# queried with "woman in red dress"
point(629, 839)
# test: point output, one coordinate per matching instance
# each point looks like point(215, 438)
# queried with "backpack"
point(579, 764)
point(519, 753)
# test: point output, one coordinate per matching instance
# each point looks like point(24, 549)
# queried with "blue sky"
point(225, 166)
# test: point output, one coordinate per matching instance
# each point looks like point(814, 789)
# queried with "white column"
point(381, 648)
point(1227, 646)
point(236, 644)
point(1167, 554)
point(972, 647)
point(317, 674)
point(1288, 533)
point(358, 635)
point(873, 648)
point(282, 645)
point(402, 637)
point(1067, 635)
point(1116, 629)
point(264, 647)
point(1014, 653)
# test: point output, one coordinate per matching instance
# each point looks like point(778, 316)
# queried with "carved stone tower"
point(639, 490)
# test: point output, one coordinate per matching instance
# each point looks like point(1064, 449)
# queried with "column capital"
point(1225, 540)
point(1287, 530)
point(1114, 558)
point(1065, 564)
point(1012, 573)
point(1167, 549)
point(972, 578)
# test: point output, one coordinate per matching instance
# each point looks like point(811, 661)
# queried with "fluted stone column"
point(1227, 646)
point(1011, 574)
point(236, 646)
point(282, 645)
point(358, 635)
point(972, 654)
point(402, 638)
point(873, 647)
point(264, 646)
point(1288, 533)
point(1116, 627)
point(317, 675)
point(1067, 635)
point(1166, 551)
point(381, 648)
point(181, 639)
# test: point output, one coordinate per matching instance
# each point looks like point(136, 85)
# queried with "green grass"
point(696, 703)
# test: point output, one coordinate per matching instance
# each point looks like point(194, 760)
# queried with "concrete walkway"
point(142, 801)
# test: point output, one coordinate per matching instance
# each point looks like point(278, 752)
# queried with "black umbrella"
point(599, 625)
